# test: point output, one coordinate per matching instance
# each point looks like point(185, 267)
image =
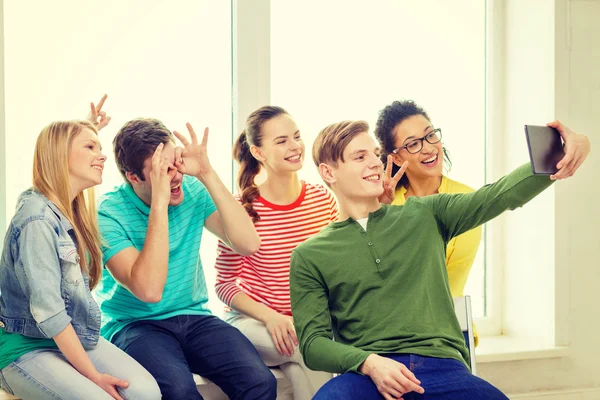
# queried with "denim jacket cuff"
point(55, 324)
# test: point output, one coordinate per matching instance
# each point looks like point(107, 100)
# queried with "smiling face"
point(424, 164)
point(282, 147)
point(86, 161)
point(359, 176)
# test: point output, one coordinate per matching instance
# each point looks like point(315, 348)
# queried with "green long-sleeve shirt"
point(386, 290)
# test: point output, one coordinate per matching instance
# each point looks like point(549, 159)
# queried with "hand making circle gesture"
point(193, 158)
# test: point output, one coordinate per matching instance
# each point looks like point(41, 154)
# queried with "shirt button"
point(370, 243)
point(378, 261)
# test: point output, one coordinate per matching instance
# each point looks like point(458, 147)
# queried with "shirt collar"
point(134, 198)
point(63, 220)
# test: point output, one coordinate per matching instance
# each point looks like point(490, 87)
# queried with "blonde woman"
point(49, 336)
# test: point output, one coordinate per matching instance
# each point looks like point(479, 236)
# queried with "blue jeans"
point(46, 374)
point(442, 379)
point(174, 348)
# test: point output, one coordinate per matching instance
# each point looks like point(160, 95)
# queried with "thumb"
point(118, 382)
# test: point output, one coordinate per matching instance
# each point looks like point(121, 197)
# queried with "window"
point(339, 60)
point(153, 60)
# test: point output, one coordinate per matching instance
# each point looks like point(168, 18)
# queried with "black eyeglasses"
point(416, 145)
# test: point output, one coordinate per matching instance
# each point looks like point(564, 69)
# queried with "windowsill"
point(508, 348)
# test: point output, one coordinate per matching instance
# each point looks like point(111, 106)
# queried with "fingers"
point(565, 164)
point(193, 136)
point(181, 138)
point(565, 172)
point(156, 157)
point(205, 138)
point(293, 335)
point(178, 155)
point(103, 122)
point(577, 165)
point(171, 171)
point(117, 382)
point(113, 382)
point(400, 173)
point(388, 396)
point(92, 110)
point(388, 167)
point(410, 382)
point(392, 385)
point(192, 133)
point(101, 103)
point(287, 340)
point(276, 342)
point(408, 374)
point(113, 393)
point(570, 153)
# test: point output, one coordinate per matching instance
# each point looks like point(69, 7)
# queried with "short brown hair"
point(331, 142)
point(136, 141)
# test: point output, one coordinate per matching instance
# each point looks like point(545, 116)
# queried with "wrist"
point(267, 315)
point(365, 367)
point(94, 376)
point(159, 202)
point(206, 176)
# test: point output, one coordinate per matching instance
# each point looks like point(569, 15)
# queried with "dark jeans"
point(174, 348)
point(442, 379)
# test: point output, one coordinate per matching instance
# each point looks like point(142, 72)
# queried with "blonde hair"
point(51, 178)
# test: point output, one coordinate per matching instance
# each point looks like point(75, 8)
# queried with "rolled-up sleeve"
point(39, 274)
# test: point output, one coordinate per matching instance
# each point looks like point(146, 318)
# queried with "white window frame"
point(251, 88)
point(492, 327)
point(3, 221)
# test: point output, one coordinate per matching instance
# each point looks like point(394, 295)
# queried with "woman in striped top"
point(286, 211)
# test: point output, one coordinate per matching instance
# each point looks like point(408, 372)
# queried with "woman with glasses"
point(405, 132)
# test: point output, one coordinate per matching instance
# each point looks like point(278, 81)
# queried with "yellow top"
point(461, 250)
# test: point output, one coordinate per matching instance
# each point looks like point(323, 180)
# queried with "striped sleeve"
point(333, 206)
point(229, 267)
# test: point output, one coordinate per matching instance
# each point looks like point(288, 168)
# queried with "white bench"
point(210, 391)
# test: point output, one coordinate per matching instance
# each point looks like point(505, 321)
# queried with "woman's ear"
point(256, 153)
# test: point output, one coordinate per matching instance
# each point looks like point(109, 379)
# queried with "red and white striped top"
point(265, 275)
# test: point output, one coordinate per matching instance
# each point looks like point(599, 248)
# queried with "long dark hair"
point(388, 119)
point(250, 166)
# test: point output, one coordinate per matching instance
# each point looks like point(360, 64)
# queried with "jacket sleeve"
point(39, 274)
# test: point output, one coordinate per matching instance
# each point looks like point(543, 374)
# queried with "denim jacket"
point(42, 287)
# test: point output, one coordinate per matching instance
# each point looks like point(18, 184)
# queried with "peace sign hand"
point(389, 182)
point(97, 113)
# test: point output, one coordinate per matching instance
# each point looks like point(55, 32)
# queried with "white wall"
point(576, 102)
point(167, 60)
point(529, 242)
point(357, 57)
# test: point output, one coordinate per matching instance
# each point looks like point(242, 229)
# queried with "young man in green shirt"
point(378, 279)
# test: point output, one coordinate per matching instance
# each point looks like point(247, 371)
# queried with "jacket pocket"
point(72, 283)
point(69, 264)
